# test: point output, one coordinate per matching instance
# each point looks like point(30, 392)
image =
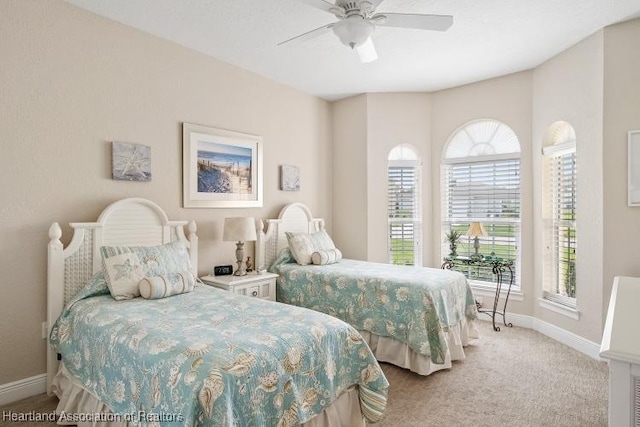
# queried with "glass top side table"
point(498, 267)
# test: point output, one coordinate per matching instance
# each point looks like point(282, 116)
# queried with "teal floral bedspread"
point(210, 358)
point(414, 305)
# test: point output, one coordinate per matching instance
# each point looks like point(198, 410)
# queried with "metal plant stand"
point(498, 267)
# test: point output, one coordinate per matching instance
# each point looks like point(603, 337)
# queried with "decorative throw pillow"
point(124, 271)
point(324, 257)
point(165, 286)
point(303, 245)
point(132, 263)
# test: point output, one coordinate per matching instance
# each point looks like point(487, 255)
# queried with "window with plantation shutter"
point(405, 222)
point(481, 183)
point(560, 218)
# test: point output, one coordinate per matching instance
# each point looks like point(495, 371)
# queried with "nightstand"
point(252, 285)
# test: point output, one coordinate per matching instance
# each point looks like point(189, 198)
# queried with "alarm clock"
point(222, 270)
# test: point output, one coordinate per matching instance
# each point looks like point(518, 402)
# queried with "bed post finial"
point(192, 227)
point(55, 232)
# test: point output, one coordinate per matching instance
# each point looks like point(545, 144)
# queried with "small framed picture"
point(289, 178)
point(130, 162)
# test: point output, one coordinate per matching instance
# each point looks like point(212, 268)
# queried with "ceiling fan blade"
point(371, 6)
point(322, 5)
point(412, 20)
point(376, 3)
point(367, 51)
point(309, 34)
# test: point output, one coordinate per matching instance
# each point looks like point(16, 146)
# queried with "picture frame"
point(633, 169)
point(130, 162)
point(221, 168)
point(289, 178)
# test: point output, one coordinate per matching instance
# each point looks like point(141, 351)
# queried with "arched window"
point(559, 187)
point(404, 206)
point(481, 183)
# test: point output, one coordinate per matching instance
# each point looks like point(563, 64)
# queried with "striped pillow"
point(324, 257)
point(165, 286)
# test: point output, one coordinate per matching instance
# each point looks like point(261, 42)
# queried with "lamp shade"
point(239, 229)
point(476, 229)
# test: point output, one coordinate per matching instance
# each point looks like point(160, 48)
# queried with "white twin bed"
point(201, 357)
point(413, 317)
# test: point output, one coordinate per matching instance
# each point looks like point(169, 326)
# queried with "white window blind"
point(405, 228)
point(636, 401)
point(562, 227)
point(487, 191)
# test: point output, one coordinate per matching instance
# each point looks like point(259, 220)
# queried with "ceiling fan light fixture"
point(353, 32)
point(367, 52)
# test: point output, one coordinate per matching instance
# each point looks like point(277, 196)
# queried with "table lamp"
point(239, 230)
point(476, 230)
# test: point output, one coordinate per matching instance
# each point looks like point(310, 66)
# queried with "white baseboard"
point(567, 338)
point(22, 389)
point(570, 339)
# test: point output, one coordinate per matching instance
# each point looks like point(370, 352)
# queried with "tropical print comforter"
point(415, 305)
point(211, 358)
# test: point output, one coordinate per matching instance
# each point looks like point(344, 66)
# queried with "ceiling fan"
point(357, 20)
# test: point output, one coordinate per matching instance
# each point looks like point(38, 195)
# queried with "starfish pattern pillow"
point(125, 272)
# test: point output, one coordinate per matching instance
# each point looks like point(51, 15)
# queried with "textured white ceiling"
point(489, 38)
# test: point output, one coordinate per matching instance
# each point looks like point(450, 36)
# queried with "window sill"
point(559, 308)
point(480, 289)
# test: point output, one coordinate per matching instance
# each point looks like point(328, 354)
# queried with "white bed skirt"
point(392, 351)
point(75, 399)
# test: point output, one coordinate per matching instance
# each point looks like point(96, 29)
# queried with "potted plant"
point(453, 237)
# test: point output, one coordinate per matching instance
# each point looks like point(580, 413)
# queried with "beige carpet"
point(516, 377)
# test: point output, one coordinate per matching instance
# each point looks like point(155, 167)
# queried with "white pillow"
point(303, 245)
point(324, 257)
point(124, 271)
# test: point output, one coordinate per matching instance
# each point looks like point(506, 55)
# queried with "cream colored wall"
point(72, 82)
point(621, 114)
point(569, 87)
point(349, 117)
point(366, 128)
point(392, 119)
point(507, 99)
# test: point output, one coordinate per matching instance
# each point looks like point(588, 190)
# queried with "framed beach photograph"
point(221, 168)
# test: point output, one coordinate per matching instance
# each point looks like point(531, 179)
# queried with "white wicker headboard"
point(295, 217)
point(127, 222)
